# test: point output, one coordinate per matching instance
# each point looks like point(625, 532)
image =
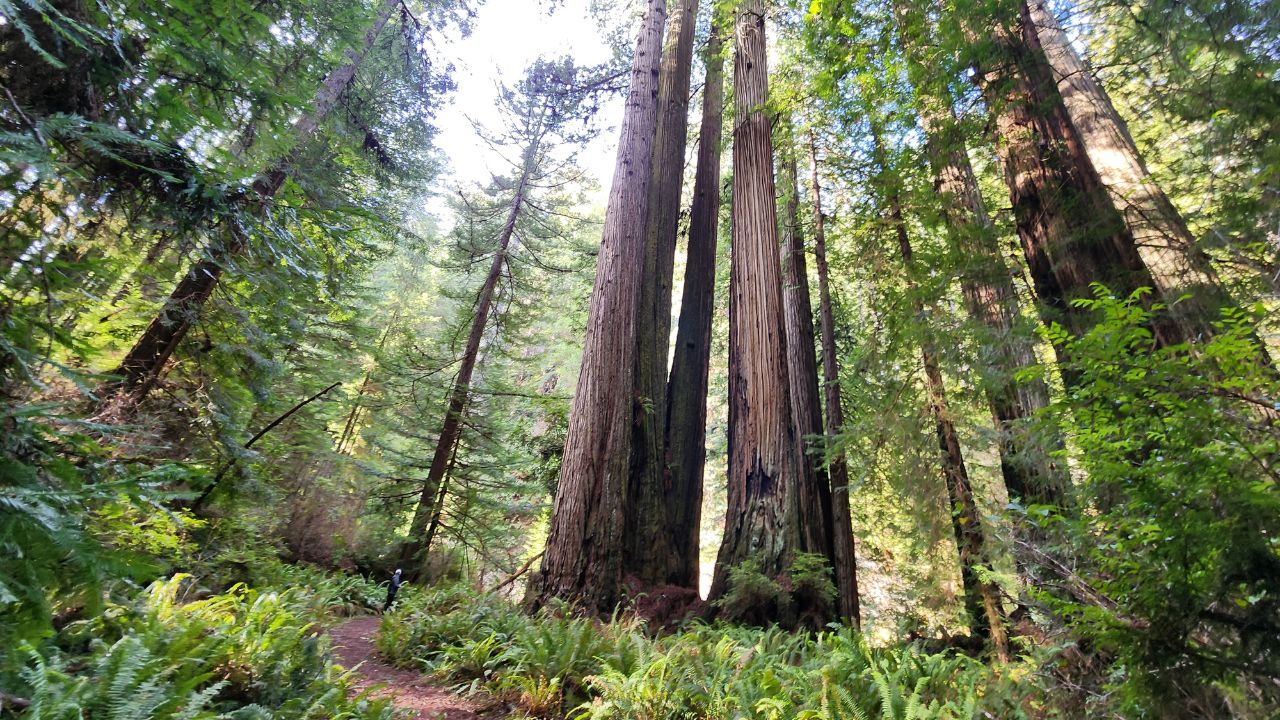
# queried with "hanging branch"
point(217, 479)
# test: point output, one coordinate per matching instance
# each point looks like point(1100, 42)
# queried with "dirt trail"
point(353, 645)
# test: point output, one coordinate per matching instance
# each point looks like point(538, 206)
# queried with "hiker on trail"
point(392, 588)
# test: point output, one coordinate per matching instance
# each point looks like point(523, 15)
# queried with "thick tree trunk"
point(814, 490)
point(842, 520)
point(1026, 463)
point(1163, 240)
point(1071, 233)
point(143, 364)
point(583, 559)
point(686, 423)
point(650, 560)
point(1029, 471)
point(413, 555)
point(981, 597)
point(762, 521)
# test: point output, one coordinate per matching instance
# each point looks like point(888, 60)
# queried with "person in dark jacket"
point(392, 588)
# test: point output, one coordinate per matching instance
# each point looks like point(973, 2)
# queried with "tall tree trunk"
point(1029, 471)
point(413, 554)
point(981, 597)
point(1164, 242)
point(814, 490)
point(842, 520)
point(762, 521)
point(583, 559)
point(686, 423)
point(650, 560)
point(143, 364)
point(1071, 233)
point(437, 511)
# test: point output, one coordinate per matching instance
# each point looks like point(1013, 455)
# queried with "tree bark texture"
point(762, 521)
point(981, 597)
point(1163, 239)
point(650, 559)
point(1071, 234)
point(413, 556)
point(686, 422)
point(145, 361)
point(814, 490)
point(845, 560)
point(583, 560)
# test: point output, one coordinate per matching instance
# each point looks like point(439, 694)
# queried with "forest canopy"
point(640, 358)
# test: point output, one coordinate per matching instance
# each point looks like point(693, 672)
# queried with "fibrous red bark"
point(685, 427)
point(1030, 472)
point(583, 559)
point(762, 521)
point(843, 551)
point(651, 558)
point(814, 490)
point(1072, 235)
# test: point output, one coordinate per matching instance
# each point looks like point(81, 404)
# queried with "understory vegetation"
point(555, 665)
point(171, 653)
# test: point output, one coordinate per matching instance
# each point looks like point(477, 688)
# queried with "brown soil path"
point(408, 690)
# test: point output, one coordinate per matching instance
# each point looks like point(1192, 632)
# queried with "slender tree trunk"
point(1027, 466)
point(981, 597)
point(814, 490)
point(437, 512)
point(686, 424)
point(1071, 233)
point(143, 364)
point(413, 555)
point(1180, 270)
point(650, 560)
point(762, 521)
point(842, 520)
point(584, 555)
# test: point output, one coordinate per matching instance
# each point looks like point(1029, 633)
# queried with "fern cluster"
point(551, 666)
point(243, 654)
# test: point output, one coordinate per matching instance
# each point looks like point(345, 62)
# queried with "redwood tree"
point(583, 561)
point(981, 595)
point(814, 491)
point(1071, 233)
point(763, 523)
point(542, 111)
point(1179, 269)
point(846, 572)
point(686, 421)
point(651, 560)
point(1029, 471)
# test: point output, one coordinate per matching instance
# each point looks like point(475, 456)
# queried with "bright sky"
point(507, 35)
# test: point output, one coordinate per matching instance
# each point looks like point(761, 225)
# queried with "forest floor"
point(407, 690)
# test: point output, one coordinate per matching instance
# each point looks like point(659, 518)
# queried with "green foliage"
point(328, 594)
point(803, 596)
point(1179, 550)
point(54, 476)
point(549, 665)
point(243, 654)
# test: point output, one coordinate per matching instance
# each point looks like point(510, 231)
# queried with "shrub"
point(804, 596)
